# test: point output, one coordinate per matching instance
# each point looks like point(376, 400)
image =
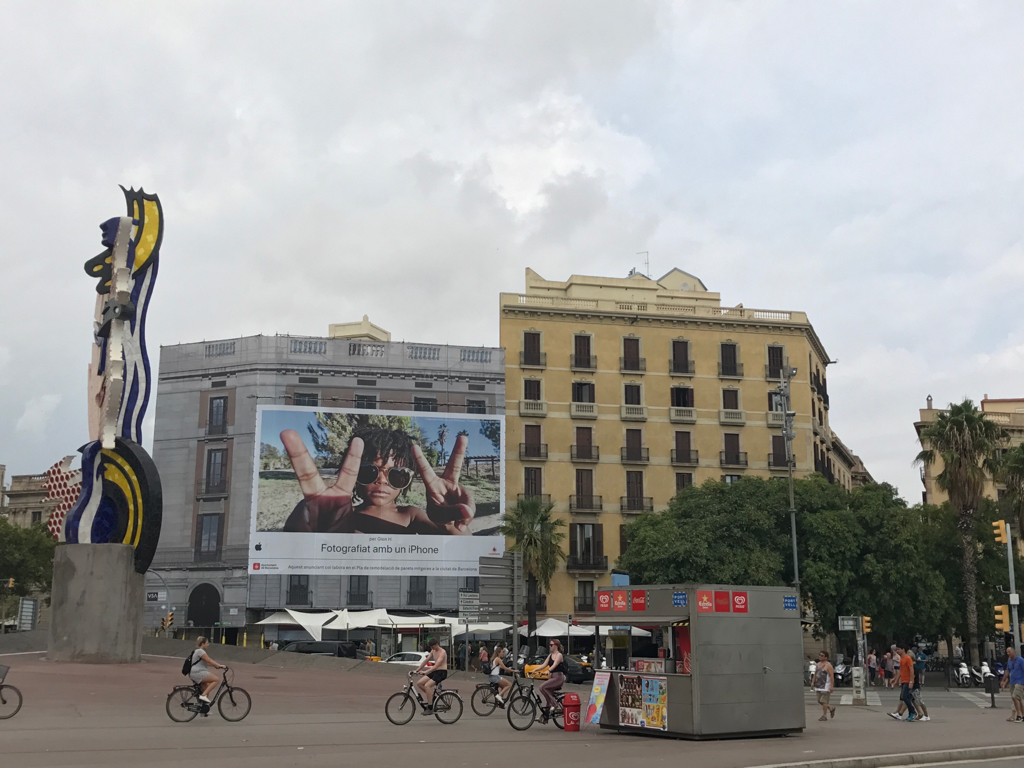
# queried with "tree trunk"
point(970, 591)
point(950, 659)
point(531, 612)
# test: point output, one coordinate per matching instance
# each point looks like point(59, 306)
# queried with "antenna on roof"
point(647, 262)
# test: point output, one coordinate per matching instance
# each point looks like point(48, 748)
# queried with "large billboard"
point(351, 491)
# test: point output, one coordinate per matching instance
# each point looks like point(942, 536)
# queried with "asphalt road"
point(81, 715)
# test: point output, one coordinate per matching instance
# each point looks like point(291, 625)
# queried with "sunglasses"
point(398, 478)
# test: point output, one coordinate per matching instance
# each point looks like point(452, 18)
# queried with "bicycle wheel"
point(234, 704)
point(401, 708)
point(448, 707)
point(483, 701)
point(558, 718)
point(10, 701)
point(521, 712)
point(179, 702)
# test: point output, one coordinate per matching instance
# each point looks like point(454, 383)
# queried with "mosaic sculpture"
point(121, 500)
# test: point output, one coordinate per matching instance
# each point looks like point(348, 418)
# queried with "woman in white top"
point(497, 665)
point(200, 672)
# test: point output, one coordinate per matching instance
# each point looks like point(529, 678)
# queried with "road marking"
point(874, 700)
point(976, 699)
point(22, 653)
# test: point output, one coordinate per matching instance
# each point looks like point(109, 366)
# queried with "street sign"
point(28, 613)
point(469, 606)
point(849, 623)
point(156, 596)
point(501, 588)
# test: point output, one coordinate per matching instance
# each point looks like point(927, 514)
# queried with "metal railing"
point(733, 458)
point(585, 453)
point(583, 606)
point(419, 599)
point(533, 450)
point(585, 503)
point(216, 487)
point(533, 359)
point(543, 498)
point(635, 455)
point(773, 372)
point(681, 367)
point(216, 429)
point(587, 563)
point(777, 461)
point(583, 362)
point(359, 598)
point(686, 458)
point(636, 504)
point(632, 364)
point(730, 370)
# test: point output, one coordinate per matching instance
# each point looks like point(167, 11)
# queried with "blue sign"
point(678, 599)
point(789, 602)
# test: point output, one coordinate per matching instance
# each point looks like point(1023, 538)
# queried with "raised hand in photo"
point(326, 506)
point(448, 504)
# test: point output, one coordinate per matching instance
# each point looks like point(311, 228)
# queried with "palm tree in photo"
point(442, 436)
point(966, 444)
point(538, 536)
point(1011, 472)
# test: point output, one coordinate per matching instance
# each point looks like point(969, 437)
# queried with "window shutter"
point(584, 483)
point(582, 347)
point(732, 444)
point(598, 541)
point(631, 349)
point(583, 437)
point(681, 351)
point(531, 344)
point(572, 539)
point(634, 439)
point(683, 444)
point(730, 399)
point(778, 450)
point(531, 434)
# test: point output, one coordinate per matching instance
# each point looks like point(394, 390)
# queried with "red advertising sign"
point(619, 600)
point(704, 601)
point(639, 600)
point(604, 601)
point(722, 604)
point(739, 602)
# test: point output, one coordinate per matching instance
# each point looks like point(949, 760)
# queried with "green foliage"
point(26, 555)
point(271, 458)
point(537, 535)
point(1011, 472)
point(333, 431)
point(492, 431)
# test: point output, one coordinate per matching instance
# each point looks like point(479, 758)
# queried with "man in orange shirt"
point(906, 680)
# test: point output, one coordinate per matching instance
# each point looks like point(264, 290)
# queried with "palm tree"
point(966, 443)
point(1011, 472)
point(538, 536)
point(442, 436)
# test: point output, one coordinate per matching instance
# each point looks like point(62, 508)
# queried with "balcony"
point(543, 498)
point(586, 453)
point(636, 504)
point(583, 362)
point(682, 415)
point(533, 451)
point(778, 461)
point(735, 418)
point(214, 430)
point(533, 360)
point(681, 367)
point(583, 410)
point(585, 503)
point(536, 409)
point(775, 419)
point(684, 458)
point(634, 413)
point(635, 455)
point(587, 563)
point(418, 599)
point(730, 370)
point(210, 488)
point(584, 604)
point(816, 427)
point(360, 599)
point(632, 364)
point(733, 458)
point(773, 372)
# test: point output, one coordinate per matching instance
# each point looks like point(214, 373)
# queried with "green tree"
point(538, 536)
point(1011, 472)
point(492, 431)
point(333, 431)
point(965, 441)
point(442, 437)
point(26, 555)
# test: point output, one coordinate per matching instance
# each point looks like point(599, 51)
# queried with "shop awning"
point(555, 628)
point(311, 622)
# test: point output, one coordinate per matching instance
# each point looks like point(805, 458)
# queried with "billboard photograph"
point(339, 490)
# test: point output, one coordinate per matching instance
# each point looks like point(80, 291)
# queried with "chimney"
point(929, 402)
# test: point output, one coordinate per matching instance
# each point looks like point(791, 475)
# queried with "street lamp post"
point(783, 403)
point(167, 631)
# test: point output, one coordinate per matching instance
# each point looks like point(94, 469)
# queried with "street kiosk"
point(722, 662)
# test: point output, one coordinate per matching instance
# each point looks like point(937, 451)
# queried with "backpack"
point(187, 666)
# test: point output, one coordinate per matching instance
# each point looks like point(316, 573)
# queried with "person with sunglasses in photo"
point(376, 471)
point(555, 663)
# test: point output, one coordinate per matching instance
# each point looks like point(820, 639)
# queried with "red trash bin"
point(571, 711)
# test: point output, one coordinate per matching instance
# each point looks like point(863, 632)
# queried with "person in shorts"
point(823, 683)
point(497, 665)
point(438, 672)
point(1014, 675)
point(200, 673)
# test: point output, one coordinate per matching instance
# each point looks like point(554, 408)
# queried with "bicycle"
point(10, 697)
point(483, 701)
point(233, 703)
point(523, 708)
point(401, 707)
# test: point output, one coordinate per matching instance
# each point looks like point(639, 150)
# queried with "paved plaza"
point(81, 715)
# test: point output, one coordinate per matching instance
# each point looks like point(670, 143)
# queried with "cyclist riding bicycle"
point(438, 672)
point(200, 673)
point(497, 665)
point(555, 664)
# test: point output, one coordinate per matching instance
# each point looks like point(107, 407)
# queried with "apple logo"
point(259, 547)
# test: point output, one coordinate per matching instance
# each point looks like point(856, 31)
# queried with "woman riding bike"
point(555, 665)
point(497, 665)
point(200, 673)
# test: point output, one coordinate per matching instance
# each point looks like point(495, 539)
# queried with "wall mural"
point(120, 499)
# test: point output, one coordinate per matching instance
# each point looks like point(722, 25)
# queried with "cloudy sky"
point(862, 162)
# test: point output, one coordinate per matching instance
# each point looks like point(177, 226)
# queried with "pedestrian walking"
point(823, 683)
point(1014, 675)
point(906, 679)
point(889, 670)
point(872, 667)
point(919, 663)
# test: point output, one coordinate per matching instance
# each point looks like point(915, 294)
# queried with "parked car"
point(340, 648)
point(576, 672)
point(412, 658)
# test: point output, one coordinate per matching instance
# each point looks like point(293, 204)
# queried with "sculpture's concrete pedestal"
point(97, 601)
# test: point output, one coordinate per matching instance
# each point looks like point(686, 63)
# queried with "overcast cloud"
point(862, 162)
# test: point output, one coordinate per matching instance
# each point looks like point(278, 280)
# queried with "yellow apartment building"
point(621, 391)
point(1007, 413)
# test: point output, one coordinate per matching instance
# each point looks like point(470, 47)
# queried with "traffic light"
point(170, 619)
point(865, 624)
point(163, 623)
point(999, 529)
point(10, 583)
point(1003, 618)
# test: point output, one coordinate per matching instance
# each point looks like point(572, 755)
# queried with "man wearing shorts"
point(1014, 675)
point(438, 672)
point(823, 683)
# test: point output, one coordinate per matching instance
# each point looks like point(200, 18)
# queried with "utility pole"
point(1003, 535)
point(784, 404)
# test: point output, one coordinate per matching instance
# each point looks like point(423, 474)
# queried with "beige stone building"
point(1007, 413)
point(621, 391)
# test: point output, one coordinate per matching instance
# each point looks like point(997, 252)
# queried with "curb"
point(909, 758)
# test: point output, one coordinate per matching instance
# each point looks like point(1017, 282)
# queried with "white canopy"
point(551, 627)
point(458, 628)
point(311, 622)
point(634, 631)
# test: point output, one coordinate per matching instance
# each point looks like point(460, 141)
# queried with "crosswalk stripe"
point(975, 698)
point(874, 700)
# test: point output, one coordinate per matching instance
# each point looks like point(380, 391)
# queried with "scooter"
point(978, 675)
point(842, 674)
point(962, 676)
point(812, 667)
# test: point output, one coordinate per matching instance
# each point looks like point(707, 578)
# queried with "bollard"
point(571, 711)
